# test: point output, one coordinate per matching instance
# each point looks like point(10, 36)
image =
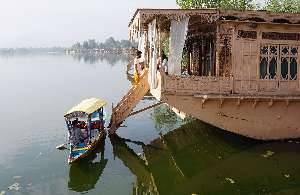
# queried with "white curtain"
point(152, 37)
point(141, 46)
point(178, 34)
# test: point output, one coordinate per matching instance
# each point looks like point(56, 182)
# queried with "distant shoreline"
point(118, 51)
point(68, 51)
point(32, 50)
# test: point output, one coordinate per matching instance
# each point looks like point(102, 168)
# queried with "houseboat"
point(236, 70)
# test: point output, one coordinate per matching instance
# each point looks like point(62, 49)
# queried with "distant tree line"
point(109, 43)
point(289, 6)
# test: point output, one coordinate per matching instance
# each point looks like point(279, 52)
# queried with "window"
point(278, 62)
point(268, 61)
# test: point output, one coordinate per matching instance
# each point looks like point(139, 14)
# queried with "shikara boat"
point(85, 123)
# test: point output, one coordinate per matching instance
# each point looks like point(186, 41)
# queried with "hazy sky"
point(41, 23)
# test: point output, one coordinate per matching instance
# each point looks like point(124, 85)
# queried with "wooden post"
point(89, 128)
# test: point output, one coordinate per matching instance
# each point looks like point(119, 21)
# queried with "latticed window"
point(278, 62)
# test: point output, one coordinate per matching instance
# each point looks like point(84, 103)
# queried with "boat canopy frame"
point(85, 108)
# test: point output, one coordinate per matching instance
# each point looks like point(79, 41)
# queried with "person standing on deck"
point(137, 67)
point(164, 63)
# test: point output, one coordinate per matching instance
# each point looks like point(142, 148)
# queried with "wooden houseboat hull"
point(258, 119)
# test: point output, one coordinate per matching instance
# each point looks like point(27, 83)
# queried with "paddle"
point(61, 147)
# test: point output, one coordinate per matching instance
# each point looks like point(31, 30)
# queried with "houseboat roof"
point(146, 15)
point(87, 106)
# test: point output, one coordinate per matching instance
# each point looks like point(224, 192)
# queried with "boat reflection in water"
point(200, 159)
point(84, 174)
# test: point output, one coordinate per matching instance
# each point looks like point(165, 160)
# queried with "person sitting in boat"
point(77, 137)
point(81, 125)
point(85, 136)
point(75, 122)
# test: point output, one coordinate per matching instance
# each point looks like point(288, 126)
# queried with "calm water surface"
point(154, 153)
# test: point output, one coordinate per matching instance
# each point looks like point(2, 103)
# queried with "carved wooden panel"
point(281, 36)
point(247, 34)
point(196, 84)
point(195, 59)
point(225, 50)
point(268, 85)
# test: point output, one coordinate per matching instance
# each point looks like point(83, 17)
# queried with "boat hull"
point(258, 119)
point(89, 149)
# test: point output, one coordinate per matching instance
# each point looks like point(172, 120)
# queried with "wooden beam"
point(144, 109)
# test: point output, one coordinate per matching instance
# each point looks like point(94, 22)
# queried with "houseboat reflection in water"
point(198, 158)
point(84, 174)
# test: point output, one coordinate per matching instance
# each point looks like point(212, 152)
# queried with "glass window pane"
point(284, 68)
point(263, 67)
point(293, 68)
point(273, 68)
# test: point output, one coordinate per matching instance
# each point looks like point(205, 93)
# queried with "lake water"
point(153, 153)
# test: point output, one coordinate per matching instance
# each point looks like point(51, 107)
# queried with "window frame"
point(278, 56)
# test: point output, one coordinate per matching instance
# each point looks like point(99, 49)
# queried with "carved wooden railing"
point(123, 109)
point(194, 84)
point(191, 85)
point(267, 86)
